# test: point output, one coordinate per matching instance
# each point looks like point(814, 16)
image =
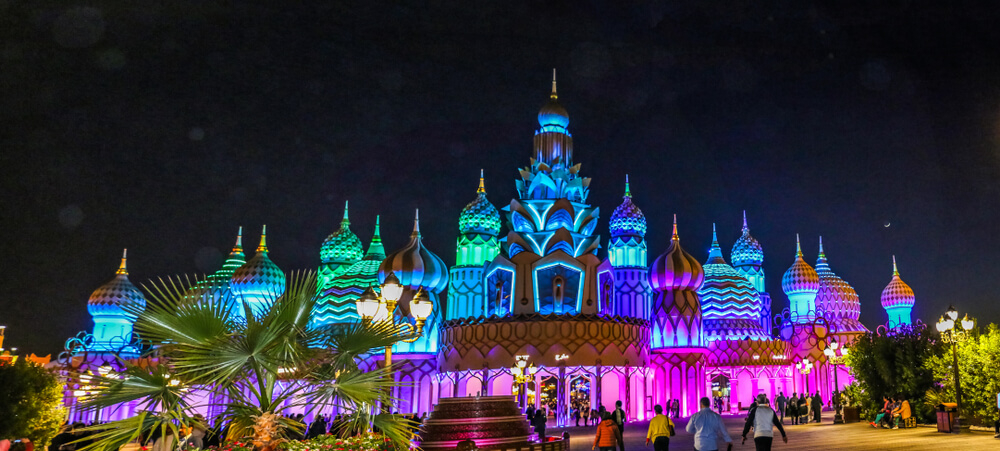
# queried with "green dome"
point(342, 246)
point(480, 216)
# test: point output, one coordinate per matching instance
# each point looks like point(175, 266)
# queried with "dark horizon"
point(163, 129)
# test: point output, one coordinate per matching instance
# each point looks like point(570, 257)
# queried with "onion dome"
point(675, 269)
point(627, 219)
point(730, 305)
point(479, 216)
point(897, 293)
point(746, 249)
point(800, 277)
point(553, 115)
point(235, 259)
point(836, 298)
point(259, 276)
point(342, 246)
point(415, 265)
point(109, 299)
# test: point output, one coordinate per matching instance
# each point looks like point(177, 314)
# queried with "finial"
point(798, 246)
point(416, 224)
point(482, 183)
point(895, 270)
point(378, 228)
point(628, 190)
point(715, 237)
point(675, 237)
point(123, 269)
point(345, 212)
point(554, 95)
point(263, 239)
point(239, 237)
point(821, 245)
point(745, 220)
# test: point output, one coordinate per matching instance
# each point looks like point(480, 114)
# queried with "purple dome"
point(627, 219)
point(676, 269)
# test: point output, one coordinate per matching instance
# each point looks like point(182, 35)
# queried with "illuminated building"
point(112, 322)
point(599, 327)
point(898, 299)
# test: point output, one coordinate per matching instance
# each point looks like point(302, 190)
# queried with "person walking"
point(804, 408)
point(763, 420)
point(538, 421)
point(660, 430)
point(817, 407)
point(793, 408)
point(608, 436)
point(707, 428)
point(619, 417)
point(779, 404)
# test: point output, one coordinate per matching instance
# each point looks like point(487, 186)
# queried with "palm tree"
point(253, 366)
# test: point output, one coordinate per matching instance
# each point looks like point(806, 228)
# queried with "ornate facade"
point(599, 330)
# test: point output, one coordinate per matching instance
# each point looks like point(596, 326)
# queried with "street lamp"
point(523, 372)
point(805, 367)
point(381, 310)
point(951, 333)
point(835, 354)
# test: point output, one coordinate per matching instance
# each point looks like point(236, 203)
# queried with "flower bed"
point(367, 442)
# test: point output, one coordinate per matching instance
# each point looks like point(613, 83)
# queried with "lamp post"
point(523, 372)
point(805, 367)
point(835, 354)
point(951, 333)
point(381, 310)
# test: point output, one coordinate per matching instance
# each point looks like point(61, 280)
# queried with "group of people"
point(895, 410)
point(537, 418)
point(611, 429)
point(799, 408)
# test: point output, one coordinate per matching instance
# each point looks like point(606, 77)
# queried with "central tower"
point(551, 247)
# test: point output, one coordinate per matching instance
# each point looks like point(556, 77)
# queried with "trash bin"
point(946, 414)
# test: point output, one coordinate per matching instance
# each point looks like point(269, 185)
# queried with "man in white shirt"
point(763, 420)
point(707, 427)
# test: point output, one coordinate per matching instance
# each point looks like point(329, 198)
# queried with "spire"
point(375, 249)
point(628, 191)
point(123, 269)
point(798, 246)
point(554, 95)
point(345, 220)
point(263, 239)
point(821, 258)
point(238, 247)
point(895, 270)
point(675, 237)
point(482, 183)
point(416, 224)
point(715, 254)
point(745, 228)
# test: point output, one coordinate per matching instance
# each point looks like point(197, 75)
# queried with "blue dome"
point(109, 299)
point(415, 265)
point(746, 250)
point(627, 219)
point(259, 277)
point(553, 117)
point(479, 216)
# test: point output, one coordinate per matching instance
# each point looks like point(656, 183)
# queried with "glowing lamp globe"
point(391, 289)
point(952, 313)
point(967, 323)
point(368, 304)
point(421, 307)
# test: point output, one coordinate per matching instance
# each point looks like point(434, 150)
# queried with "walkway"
point(824, 436)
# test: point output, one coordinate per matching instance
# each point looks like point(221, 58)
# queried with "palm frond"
point(152, 386)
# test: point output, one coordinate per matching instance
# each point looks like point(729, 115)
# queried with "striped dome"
point(800, 277)
point(836, 298)
point(259, 276)
point(897, 293)
point(342, 246)
point(730, 305)
point(627, 219)
point(746, 249)
point(480, 216)
point(675, 269)
point(415, 265)
point(110, 297)
point(218, 281)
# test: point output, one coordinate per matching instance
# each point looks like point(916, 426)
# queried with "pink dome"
point(675, 269)
point(800, 277)
point(897, 293)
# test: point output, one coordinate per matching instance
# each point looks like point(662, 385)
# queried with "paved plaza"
point(825, 436)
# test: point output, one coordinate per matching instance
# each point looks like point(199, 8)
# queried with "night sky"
point(163, 126)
